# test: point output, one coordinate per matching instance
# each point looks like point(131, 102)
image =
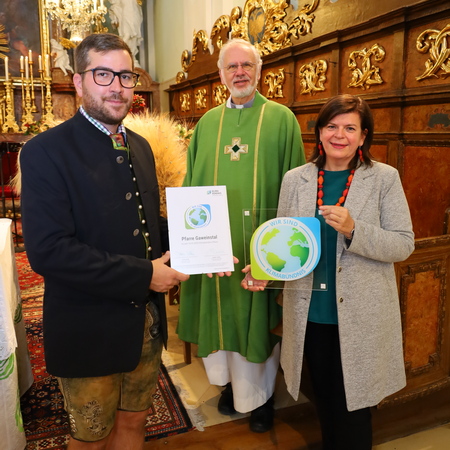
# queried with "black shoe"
point(226, 405)
point(261, 419)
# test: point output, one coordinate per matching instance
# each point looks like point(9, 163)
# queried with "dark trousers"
point(341, 429)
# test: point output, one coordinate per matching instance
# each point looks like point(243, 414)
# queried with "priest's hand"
point(164, 277)
point(250, 283)
point(222, 274)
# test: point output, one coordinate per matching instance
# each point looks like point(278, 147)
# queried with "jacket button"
point(120, 159)
point(339, 269)
point(341, 299)
point(135, 232)
point(129, 196)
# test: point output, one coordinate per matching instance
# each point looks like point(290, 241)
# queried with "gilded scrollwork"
point(221, 24)
point(220, 94)
point(313, 76)
point(185, 101)
point(262, 23)
point(437, 44)
point(275, 82)
point(200, 41)
point(200, 98)
point(368, 74)
point(181, 76)
point(302, 23)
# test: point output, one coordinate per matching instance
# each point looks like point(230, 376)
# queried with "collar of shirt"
point(102, 128)
point(232, 105)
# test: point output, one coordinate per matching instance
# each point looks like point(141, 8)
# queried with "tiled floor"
point(200, 398)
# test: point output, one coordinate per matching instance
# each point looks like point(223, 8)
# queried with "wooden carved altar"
point(397, 60)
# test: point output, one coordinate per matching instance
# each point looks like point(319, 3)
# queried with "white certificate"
point(199, 229)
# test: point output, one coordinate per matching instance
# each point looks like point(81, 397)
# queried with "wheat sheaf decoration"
point(169, 145)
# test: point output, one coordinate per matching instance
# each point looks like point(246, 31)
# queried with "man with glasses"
point(246, 144)
point(91, 223)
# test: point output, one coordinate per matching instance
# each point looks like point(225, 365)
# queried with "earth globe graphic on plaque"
point(285, 248)
point(197, 216)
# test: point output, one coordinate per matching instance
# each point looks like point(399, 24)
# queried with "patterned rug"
point(45, 421)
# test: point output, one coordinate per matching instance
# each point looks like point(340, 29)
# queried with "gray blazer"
point(367, 298)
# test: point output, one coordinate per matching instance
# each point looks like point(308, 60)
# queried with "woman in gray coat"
point(350, 334)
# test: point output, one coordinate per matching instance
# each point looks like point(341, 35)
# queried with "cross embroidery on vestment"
point(235, 149)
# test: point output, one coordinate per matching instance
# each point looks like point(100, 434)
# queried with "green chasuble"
point(248, 150)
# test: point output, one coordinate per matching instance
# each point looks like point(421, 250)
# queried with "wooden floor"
point(295, 428)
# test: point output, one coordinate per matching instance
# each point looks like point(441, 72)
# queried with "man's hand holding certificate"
point(199, 229)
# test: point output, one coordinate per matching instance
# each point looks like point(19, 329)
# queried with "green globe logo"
point(285, 248)
point(197, 216)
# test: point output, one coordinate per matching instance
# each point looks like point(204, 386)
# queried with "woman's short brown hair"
point(343, 104)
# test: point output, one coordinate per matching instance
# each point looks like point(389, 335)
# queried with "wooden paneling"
point(412, 133)
point(427, 185)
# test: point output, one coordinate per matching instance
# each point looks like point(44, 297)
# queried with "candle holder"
point(10, 122)
point(48, 117)
point(27, 115)
point(33, 104)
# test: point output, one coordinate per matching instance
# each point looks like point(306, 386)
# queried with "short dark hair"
point(343, 104)
point(101, 43)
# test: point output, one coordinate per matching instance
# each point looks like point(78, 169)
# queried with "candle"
point(26, 68)
point(47, 65)
point(6, 69)
point(95, 5)
point(30, 57)
point(21, 63)
point(40, 62)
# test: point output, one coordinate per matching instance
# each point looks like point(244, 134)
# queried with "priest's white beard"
point(245, 92)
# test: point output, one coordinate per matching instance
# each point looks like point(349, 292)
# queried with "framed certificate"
point(199, 229)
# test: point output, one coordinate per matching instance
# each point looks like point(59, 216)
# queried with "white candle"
point(101, 3)
point(47, 65)
point(6, 69)
point(21, 63)
point(30, 57)
point(40, 62)
point(26, 68)
point(95, 5)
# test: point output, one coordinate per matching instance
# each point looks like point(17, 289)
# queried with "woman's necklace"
point(320, 183)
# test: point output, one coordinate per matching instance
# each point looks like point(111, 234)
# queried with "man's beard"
point(241, 93)
point(97, 109)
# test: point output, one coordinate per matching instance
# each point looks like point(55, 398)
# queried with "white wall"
point(174, 23)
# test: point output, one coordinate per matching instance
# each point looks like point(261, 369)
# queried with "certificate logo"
point(285, 248)
point(197, 216)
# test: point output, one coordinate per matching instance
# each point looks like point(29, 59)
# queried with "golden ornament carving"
point(437, 44)
point(181, 76)
point(200, 42)
point(220, 94)
point(185, 101)
point(262, 23)
point(313, 76)
point(221, 24)
point(200, 98)
point(368, 74)
point(275, 82)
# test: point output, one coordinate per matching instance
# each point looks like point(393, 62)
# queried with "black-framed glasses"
point(246, 66)
point(105, 77)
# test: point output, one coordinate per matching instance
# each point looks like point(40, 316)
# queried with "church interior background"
point(393, 53)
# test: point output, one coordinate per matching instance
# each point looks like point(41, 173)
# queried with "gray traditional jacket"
point(367, 298)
